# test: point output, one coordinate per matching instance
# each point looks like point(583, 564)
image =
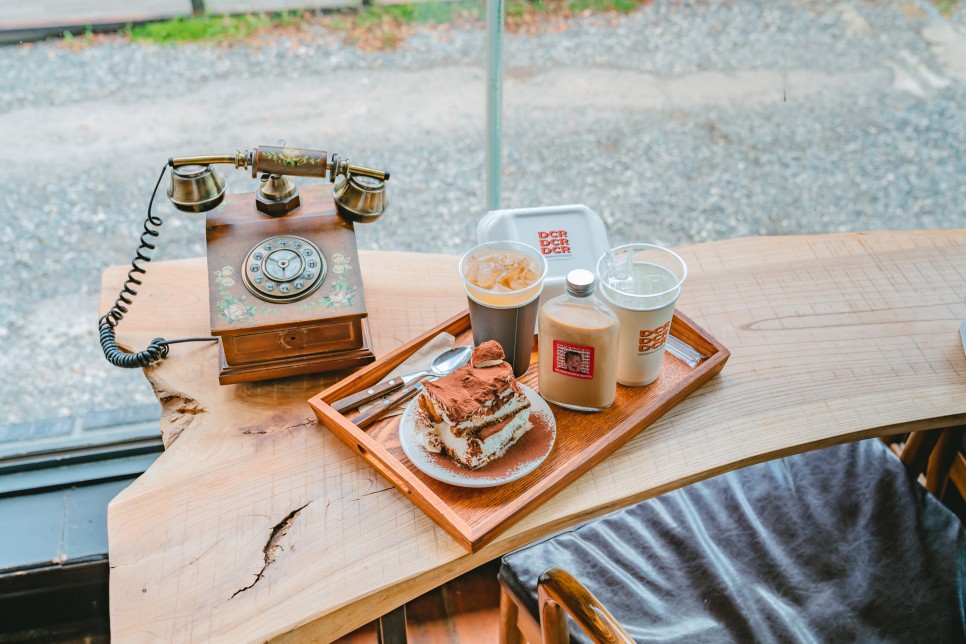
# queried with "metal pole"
point(494, 100)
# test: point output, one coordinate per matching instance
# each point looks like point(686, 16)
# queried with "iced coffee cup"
point(503, 281)
point(641, 284)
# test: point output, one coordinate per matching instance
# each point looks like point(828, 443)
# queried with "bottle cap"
point(581, 282)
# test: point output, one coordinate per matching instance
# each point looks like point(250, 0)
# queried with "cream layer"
point(484, 416)
point(472, 452)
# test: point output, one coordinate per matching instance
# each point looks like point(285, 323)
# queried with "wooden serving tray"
point(476, 516)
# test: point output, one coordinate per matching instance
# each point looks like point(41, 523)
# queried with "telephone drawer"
point(294, 341)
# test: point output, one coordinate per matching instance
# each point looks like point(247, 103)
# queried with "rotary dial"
point(283, 265)
point(284, 268)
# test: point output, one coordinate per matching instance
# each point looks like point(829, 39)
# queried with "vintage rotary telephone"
point(284, 286)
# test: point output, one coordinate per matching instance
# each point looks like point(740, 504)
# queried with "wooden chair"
point(936, 456)
point(839, 544)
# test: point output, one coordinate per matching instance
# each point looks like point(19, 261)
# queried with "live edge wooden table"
point(257, 524)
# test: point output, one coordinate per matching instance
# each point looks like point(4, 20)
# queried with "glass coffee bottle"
point(578, 347)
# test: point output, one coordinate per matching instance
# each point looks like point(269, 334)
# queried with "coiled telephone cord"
point(159, 347)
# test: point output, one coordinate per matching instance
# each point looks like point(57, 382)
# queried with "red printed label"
point(573, 360)
point(553, 243)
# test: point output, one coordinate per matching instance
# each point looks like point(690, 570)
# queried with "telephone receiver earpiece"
point(196, 188)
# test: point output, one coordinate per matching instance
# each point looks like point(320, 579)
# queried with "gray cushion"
point(839, 544)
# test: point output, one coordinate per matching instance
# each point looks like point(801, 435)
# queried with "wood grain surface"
point(257, 523)
point(474, 516)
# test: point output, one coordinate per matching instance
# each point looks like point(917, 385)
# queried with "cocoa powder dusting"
point(466, 390)
point(487, 352)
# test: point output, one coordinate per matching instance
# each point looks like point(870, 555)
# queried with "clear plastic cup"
point(641, 284)
point(505, 314)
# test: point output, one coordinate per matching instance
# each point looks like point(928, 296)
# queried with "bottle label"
point(573, 360)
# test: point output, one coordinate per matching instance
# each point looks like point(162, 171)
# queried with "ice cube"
point(502, 271)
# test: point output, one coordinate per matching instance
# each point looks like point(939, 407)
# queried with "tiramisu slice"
point(479, 410)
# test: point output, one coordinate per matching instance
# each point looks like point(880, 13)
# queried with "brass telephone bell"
point(196, 188)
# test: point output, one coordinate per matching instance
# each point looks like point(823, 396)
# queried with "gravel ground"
point(693, 121)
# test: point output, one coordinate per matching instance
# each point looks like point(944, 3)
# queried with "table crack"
point(272, 546)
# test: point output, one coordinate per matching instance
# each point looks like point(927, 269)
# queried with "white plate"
point(489, 475)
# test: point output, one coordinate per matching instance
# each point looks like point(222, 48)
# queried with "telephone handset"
point(284, 287)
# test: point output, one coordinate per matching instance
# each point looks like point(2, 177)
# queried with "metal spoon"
point(383, 407)
point(445, 363)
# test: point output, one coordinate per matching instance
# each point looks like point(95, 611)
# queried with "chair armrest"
point(942, 458)
point(559, 591)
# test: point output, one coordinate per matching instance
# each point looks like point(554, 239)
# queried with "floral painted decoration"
point(340, 263)
point(290, 157)
point(341, 294)
point(223, 277)
point(233, 307)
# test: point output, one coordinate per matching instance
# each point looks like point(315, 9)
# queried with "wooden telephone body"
point(326, 330)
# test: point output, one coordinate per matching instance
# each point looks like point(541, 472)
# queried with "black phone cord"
point(158, 348)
